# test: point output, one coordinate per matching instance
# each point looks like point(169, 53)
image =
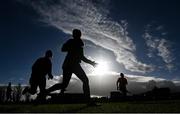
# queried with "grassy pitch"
point(139, 106)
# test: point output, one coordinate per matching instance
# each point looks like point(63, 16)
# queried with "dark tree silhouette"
point(151, 84)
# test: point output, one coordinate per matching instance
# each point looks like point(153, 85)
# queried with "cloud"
point(164, 51)
point(157, 45)
point(160, 27)
point(92, 18)
point(103, 85)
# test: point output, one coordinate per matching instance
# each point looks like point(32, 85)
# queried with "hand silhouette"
point(94, 64)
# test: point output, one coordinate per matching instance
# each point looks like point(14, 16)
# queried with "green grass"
point(144, 106)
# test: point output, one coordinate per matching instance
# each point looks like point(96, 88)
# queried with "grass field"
point(140, 106)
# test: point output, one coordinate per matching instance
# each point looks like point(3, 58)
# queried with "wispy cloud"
point(164, 51)
point(157, 45)
point(92, 18)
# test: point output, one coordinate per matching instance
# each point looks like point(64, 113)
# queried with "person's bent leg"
point(33, 83)
point(66, 78)
point(42, 87)
point(79, 72)
point(33, 87)
point(42, 84)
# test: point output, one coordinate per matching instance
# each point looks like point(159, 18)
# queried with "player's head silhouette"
point(48, 53)
point(76, 34)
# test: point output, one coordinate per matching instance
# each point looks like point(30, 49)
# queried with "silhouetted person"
point(2, 94)
point(18, 92)
point(121, 84)
point(9, 92)
point(74, 49)
point(40, 69)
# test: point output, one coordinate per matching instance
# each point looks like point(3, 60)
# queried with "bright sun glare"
point(101, 68)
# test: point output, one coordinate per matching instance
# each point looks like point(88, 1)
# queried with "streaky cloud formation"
point(92, 18)
point(158, 46)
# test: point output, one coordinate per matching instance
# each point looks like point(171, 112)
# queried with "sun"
point(101, 68)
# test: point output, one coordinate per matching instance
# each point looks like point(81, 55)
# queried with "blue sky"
point(136, 37)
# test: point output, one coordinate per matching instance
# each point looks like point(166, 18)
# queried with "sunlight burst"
point(101, 68)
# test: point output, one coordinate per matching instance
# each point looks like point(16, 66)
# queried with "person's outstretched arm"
point(117, 83)
point(126, 82)
point(93, 63)
point(50, 76)
point(83, 58)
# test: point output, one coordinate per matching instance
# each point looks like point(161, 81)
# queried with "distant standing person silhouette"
point(40, 69)
point(121, 84)
point(9, 92)
point(74, 49)
point(18, 92)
